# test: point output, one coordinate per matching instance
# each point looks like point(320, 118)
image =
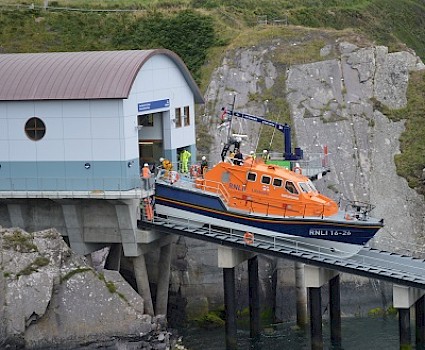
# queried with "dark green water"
point(357, 334)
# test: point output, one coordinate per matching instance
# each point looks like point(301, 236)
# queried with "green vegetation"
point(71, 273)
point(40, 261)
point(200, 32)
point(213, 319)
point(380, 312)
point(20, 242)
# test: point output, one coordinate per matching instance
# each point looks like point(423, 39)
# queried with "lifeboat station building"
point(75, 130)
point(88, 121)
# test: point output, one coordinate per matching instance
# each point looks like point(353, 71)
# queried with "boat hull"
point(327, 236)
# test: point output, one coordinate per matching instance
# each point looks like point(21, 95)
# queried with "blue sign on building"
point(147, 106)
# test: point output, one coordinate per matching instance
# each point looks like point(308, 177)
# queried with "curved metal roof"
point(78, 75)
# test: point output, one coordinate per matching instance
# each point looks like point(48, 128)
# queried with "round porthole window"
point(35, 129)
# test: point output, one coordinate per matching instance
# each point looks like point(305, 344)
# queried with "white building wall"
point(72, 129)
point(161, 79)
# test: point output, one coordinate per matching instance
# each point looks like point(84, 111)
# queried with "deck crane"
point(228, 115)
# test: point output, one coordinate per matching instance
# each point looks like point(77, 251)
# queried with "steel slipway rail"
point(368, 262)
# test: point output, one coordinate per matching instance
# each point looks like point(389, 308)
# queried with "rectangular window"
point(145, 120)
point(266, 180)
point(277, 182)
point(186, 116)
point(251, 177)
point(178, 118)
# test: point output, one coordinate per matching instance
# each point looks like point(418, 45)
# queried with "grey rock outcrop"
point(50, 297)
point(337, 110)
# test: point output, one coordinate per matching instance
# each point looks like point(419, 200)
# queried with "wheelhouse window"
point(35, 129)
point(311, 185)
point(251, 177)
point(304, 187)
point(266, 180)
point(178, 118)
point(186, 116)
point(290, 187)
point(277, 182)
point(145, 120)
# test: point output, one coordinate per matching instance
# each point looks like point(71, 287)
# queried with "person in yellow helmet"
point(184, 159)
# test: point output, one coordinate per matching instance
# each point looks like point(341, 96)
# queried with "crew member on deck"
point(146, 174)
point(238, 158)
point(204, 166)
point(266, 156)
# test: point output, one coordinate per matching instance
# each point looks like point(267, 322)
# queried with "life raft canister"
point(195, 170)
point(173, 176)
point(248, 237)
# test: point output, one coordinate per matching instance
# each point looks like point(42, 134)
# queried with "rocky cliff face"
point(50, 298)
point(332, 103)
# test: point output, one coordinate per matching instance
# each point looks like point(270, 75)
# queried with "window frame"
point(248, 174)
point(178, 117)
point(278, 179)
point(295, 188)
point(266, 177)
point(186, 116)
point(39, 129)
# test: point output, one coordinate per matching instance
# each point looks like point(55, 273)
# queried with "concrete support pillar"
point(142, 281)
point(15, 216)
point(254, 297)
point(301, 295)
point(315, 278)
point(420, 323)
point(403, 298)
point(127, 212)
point(315, 297)
point(230, 308)
point(229, 257)
point(404, 328)
point(163, 279)
point(75, 229)
point(335, 312)
point(113, 260)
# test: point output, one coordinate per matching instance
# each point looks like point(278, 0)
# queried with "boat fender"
point(348, 217)
point(173, 177)
point(248, 237)
point(298, 170)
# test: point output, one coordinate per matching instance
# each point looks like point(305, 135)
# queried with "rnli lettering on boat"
point(260, 191)
point(320, 232)
point(235, 187)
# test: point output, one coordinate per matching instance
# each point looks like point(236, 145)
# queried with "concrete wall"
point(88, 224)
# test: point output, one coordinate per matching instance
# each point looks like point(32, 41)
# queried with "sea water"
point(357, 334)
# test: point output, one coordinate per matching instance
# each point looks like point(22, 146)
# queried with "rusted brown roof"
point(77, 75)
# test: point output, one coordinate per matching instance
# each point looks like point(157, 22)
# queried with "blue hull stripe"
point(212, 206)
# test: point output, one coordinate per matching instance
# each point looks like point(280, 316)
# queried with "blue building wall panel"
point(70, 176)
